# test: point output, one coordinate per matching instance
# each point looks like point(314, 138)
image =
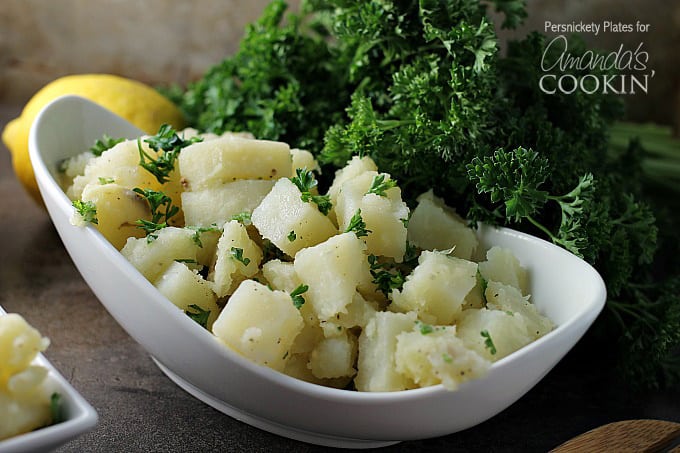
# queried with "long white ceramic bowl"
point(79, 416)
point(565, 288)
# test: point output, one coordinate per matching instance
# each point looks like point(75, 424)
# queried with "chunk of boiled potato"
point(334, 357)
point(332, 271)
point(359, 312)
point(502, 266)
point(437, 357)
point(229, 270)
point(229, 158)
point(303, 159)
point(152, 258)
point(435, 226)
point(185, 287)
point(384, 215)
point(297, 366)
point(21, 414)
point(508, 298)
point(377, 346)
point(120, 164)
point(504, 332)
point(118, 208)
point(217, 205)
point(260, 324)
point(281, 275)
point(288, 222)
point(354, 167)
point(20, 343)
point(437, 287)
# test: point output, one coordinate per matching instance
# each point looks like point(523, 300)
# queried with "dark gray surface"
point(141, 410)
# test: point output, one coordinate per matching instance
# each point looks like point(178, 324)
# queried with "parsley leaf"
point(237, 254)
point(488, 342)
point(296, 295)
point(305, 181)
point(86, 210)
point(357, 225)
point(168, 145)
point(104, 143)
point(159, 218)
point(379, 184)
point(198, 314)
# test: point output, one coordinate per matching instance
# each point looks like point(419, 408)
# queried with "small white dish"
point(79, 417)
point(565, 288)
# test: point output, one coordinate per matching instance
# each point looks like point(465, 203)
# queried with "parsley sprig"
point(296, 295)
point(161, 208)
point(86, 210)
point(198, 314)
point(385, 277)
point(488, 342)
point(237, 254)
point(305, 181)
point(357, 225)
point(380, 184)
point(169, 144)
point(103, 144)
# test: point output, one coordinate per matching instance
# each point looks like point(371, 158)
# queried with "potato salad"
point(25, 394)
point(350, 288)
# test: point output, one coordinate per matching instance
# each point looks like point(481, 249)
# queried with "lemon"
point(137, 102)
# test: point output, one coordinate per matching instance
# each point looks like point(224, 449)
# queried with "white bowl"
point(565, 288)
point(79, 417)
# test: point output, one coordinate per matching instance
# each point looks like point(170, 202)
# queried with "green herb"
point(385, 277)
point(292, 236)
point(357, 225)
point(243, 217)
point(237, 254)
point(296, 295)
point(447, 358)
point(56, 408)
point(198, 314)
point(103, 144)
point(104, 181)
point(425, 328)
point(86, 210)
point(168, 145)
point(488, 342)
point(198, 231)
point(186, 260)
point(379, 185)
point(161, 208)
point(305, 181)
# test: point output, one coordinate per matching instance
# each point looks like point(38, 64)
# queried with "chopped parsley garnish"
point(384, 278)
point(105, 181)
point(357, 225)
point(186, 260)
point(292, 236)
point(305, 181)
point(296, 295)
point(103, 144)
point(86, 210)
point(447, 358)
point(196, 238)
point(237, 254)
point(379, 185)
point(161, 208)
point(243, 217)
point(198, 314)
point(488, 342)
point(425, 328)
point(169, 145)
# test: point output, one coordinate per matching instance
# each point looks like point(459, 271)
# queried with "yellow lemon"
point(138, 103)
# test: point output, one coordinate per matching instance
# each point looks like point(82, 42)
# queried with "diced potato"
point(238, 257)
point(334, 357)
point(435, 226)
point(118, 208)
point(228, 158)
point(332, 270)
point(493, 334)
point(437, 287)
point(281, 275)
point(437, 357)
point(384, 215)
point(475, 298)
point(288, 222)
point(184, 288)
point(217, 205)
point(359, 312)
point(354, 167)
point(260, 324)
point(151, 258)
point(120, 164)
point(377, 346)
point(20, 343)
point(503, 267)
point(510, 299)
point(303, 159)
point(72, 167)
point(297, 366)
